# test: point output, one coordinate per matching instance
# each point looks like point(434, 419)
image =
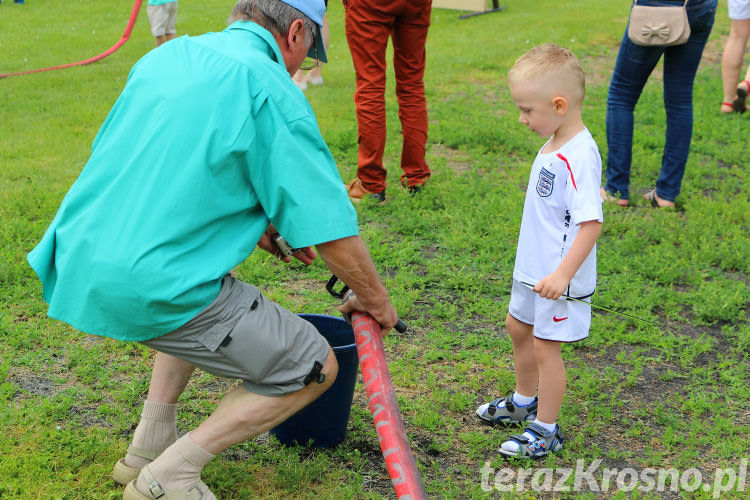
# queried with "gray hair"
point(274, 15)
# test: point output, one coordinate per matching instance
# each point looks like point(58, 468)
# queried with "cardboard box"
point(475, 5)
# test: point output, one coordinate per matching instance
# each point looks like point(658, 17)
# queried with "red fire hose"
point(120, 42)
point(385, 413)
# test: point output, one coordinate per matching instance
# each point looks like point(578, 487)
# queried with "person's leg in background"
point(159, 17)
point(633, 66)
point(680, 67)
point(171, 31)
point(731, 63)
point(409, 36)
point(367, 32)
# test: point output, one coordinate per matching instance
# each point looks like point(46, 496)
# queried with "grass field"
point(675, 396)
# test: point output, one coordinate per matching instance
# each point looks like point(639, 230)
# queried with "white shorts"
point(561, 320)
point(162, 18)
point(739, 9)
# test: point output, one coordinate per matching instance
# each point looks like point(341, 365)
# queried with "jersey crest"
point(546, 183)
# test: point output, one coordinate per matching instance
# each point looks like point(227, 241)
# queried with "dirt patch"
point(33, 383)
point(457, 161)
point(599, 68)
point(86, 416)
point(302, 286)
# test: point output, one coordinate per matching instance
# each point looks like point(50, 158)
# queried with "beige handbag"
point(658, 26)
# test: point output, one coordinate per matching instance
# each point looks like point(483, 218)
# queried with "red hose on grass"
point(385, 413)
point(120, 42)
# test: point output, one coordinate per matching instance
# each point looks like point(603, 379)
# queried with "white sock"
point(518, 399)
point(547, 427)
point(156, 431)
point(179, 467)
point(522, 400)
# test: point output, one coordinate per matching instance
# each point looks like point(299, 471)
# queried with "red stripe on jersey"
point(569, 170)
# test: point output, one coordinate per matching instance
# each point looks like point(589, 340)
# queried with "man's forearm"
point(349, 259)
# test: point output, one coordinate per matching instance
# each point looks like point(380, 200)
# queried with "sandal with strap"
point(505, 411)
point(740, 103)
point(535, 442)
point(725, 105)
point(123, 473)
point(196, 491)
point(651, 198)
point(610, 198)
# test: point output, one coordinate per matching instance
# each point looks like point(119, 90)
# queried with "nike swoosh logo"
point(557, 320)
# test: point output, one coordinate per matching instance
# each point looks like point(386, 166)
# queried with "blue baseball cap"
point(314, 9)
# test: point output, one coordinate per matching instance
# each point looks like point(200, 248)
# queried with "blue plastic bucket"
point(324, 421)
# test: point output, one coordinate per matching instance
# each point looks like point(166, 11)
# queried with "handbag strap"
point(684, 4)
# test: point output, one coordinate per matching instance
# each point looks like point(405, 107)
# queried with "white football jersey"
point(563, 192)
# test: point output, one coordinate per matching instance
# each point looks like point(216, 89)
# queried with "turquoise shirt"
point(160, 2)
point(209, 141)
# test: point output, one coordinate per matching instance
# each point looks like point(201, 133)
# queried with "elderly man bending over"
point(209, 151)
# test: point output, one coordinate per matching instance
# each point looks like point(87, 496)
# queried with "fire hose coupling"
point(315, 374)
point(283, 246)
point(345, 293)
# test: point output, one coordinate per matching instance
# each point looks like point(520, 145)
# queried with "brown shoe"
point(357, 191)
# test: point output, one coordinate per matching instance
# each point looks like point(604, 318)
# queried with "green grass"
point(638, 396)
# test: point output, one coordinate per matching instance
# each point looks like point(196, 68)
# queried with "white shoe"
point(317, 80)
point(300, 85)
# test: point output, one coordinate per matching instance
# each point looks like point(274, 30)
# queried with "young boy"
point(162, 17)
point(556, 255)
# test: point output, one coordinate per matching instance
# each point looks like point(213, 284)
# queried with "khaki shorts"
point(561, 320)
point(162, 18)
point(242, 335)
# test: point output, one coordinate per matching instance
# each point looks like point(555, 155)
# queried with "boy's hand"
point(552, 286)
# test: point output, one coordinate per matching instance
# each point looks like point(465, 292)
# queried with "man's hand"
point(552, 286)
point(305, 255)
point(386, 316)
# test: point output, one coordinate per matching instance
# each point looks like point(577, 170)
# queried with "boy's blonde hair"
point(557, 65)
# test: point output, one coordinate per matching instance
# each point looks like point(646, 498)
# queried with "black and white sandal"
point(535, 442)
point(505, 411)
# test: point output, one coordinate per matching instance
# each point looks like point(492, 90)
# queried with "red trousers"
point(369, 23)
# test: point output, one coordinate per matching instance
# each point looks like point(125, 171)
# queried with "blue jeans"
point(633, 66)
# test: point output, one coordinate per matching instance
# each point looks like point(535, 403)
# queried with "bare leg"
point(242, 414)
point(732, 58)
point(160, 39)
point(156, 429)
point(239, 416)
point(169, 377)
point(551, 379)
point(524, 358)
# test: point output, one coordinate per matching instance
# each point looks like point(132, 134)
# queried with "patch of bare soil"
point(32, 383)
point(457, 161)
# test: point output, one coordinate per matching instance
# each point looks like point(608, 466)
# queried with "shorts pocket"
point(213, 338)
